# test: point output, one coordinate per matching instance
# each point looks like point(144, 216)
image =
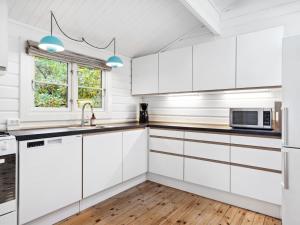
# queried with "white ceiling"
point(237, 7)
point(140, 26)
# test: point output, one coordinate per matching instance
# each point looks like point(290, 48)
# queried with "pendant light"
point(114, 61)
point(53, 44)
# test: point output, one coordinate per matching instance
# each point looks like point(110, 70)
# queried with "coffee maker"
point(144, 118)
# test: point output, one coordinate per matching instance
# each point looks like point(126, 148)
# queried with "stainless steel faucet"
point(83, 121)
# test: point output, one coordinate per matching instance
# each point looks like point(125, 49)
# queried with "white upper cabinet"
point(3, 37)
point(259, 57)
point(145, 75)
point(176, 70)
point(214, 65)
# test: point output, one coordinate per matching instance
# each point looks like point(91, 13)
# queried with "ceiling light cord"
point(82, 40)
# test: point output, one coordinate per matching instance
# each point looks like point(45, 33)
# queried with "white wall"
point(210, 108)
point(123, 106)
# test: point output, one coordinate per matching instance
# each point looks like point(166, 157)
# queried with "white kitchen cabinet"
point(214, 65)
point(291, 91)
point(176, 70)
point(145, 75)
point(166, 133)
point(50, 172)
point(9, 219)
point(256, 141)
point(135, 150)
point(3, 37)
point(259, 58)
point(258, 184)
point(209, 174)
point(102, 162)
point(256, 157)
point(166, 165)
point(166, 145)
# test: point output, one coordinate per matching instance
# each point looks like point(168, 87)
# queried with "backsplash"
point(209, 108)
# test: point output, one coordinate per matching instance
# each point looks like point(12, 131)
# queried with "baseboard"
point(56, 216)
point(77, 207)
point(101, 196)
point(222, 196)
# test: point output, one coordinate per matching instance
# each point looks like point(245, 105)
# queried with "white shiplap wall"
point(212, 108)
point(123, 107)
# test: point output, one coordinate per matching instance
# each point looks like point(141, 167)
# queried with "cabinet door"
point(258, 184)
point(102, 162)
point(166, 165)
point(134, 153)
point(145, 75)
point(259, 57)
point(214, 65)
point(3, 37)
point(291, 91)
point(175, 70)
point(210, 174)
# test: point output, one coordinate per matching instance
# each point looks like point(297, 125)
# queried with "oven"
point(8, 204)
point(257, 118)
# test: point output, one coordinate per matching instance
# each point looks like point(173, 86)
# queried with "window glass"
point(50, 83)
point(89, 87)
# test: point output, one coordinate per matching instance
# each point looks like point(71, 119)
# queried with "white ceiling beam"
point(205, 12)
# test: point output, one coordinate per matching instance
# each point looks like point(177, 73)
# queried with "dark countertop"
point(30, 134)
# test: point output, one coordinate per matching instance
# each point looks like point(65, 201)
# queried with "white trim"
point(222, 196)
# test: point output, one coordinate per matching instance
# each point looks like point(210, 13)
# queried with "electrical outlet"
point(12, 124)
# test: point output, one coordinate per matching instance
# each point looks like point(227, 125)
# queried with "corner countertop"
point(30, 134)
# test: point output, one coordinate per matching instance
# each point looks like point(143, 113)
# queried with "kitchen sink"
point(88, 127)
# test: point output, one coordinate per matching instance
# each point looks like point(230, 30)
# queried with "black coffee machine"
point(144, 118)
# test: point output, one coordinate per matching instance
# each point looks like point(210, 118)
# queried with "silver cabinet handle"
point(285, 171)
point(285, 126)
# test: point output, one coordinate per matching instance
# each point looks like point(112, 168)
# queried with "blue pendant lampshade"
point(114, 62)
point(51, 44)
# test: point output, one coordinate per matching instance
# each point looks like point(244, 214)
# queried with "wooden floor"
point(151, 203)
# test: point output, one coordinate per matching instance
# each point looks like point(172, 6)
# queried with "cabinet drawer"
point(210, 174)
point(256, 157)
point(209, 151)
point(166, 145)
point(256, 141)
point(208, 137)
point(166, 165)
point(9, 219)
point(166, 133)
point(261, 185)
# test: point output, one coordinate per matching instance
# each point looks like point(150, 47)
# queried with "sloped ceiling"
point(140, 26)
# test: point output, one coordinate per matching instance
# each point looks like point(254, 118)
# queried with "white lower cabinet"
point(134, 153)
point(9, 219)
point(166, 165)
point(258, 184)
point(50, 172)
point(205, 173)
point(102, 162)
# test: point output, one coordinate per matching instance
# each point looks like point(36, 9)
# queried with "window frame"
point(75, 89)
point(72, 86)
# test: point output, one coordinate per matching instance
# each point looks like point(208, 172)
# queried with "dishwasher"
point(50, 175)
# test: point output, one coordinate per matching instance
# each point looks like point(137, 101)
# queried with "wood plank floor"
point(155, 204)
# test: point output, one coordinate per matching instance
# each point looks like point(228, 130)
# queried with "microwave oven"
point(256, 118)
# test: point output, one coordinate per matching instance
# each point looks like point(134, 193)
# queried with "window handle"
point(32, 85)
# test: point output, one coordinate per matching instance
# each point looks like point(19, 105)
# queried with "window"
point(89, 86)
point(55, 88)
point(50, 83)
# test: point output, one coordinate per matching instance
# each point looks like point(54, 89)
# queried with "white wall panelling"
point(122, 106)
point(207, 107)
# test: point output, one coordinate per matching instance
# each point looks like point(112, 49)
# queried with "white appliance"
point(258, 118)
point(50, 175)
point(291, 131)
point(8, 204)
